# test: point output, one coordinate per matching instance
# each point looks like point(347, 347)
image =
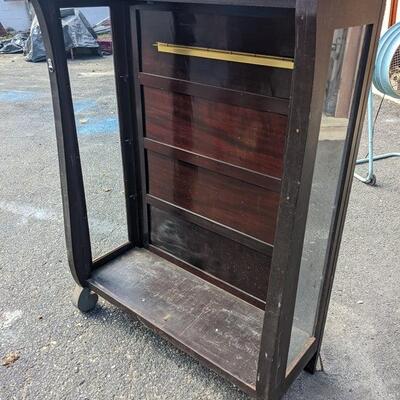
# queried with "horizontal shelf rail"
point(206, 223)
point(233, 171)
point(219, 94)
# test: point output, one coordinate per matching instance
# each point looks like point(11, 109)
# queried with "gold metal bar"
point(226, 55)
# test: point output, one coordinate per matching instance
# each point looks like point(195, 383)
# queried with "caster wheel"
point(372, 182)
point(83, 299)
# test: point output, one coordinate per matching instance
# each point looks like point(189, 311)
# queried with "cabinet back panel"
point(237, 204)
point(214, 134)
point(241, 136)
point(223, 258)
point(222, 32)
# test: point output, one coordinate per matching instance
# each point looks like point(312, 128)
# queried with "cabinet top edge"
point(246, 3)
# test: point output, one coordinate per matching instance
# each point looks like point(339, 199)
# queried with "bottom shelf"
point(209, 323)
point(218, 328)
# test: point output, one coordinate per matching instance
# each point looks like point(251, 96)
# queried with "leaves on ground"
point(9, 359)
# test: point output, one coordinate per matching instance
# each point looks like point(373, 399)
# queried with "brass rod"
point(226, 55)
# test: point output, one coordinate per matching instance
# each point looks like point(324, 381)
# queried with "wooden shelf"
point(209, 323)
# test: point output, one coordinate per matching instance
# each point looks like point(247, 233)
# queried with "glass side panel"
point(334, 132)
point(88, 43)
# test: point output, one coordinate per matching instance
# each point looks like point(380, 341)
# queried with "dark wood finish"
point(219, 256)
point(141, 161)
point(207, 6)
point(220, 167)
point(223, 32)
point(127, 121)
point(236, 135)
point(104, 259)
point(206, 223)
point(294, 205)
point(247, 208)
point(208, 277)
point(271, 362)
point(81, 3)
point(196, 316)
point(215, 93)
point(203, 192)
point(270, 8)
point(73, 196)
point(357, 117)
point(245, 3)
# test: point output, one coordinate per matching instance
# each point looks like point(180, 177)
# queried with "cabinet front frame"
point(314, 32)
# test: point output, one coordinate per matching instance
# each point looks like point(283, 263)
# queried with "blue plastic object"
point(387, 48)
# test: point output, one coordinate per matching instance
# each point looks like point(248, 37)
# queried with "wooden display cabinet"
point(239, 124)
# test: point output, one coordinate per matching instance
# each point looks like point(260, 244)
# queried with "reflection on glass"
point(345, 55)
point(91, 71)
